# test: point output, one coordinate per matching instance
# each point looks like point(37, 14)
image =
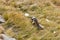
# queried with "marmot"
point(35, 22)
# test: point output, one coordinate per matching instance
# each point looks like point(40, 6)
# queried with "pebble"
point(54, 32)
point(26, 14)
point(1, 19)
point(47, 20)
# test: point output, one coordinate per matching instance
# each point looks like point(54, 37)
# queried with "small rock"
point(54, 32)
point(33, 5)
point(1, 19)
point(47, 20)
point(26, 14)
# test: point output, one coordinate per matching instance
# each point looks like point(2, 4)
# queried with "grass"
point(20, 27)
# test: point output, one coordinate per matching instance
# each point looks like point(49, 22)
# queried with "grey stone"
point(1, 19)
point(5, 37)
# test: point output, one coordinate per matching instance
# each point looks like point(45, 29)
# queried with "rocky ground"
point(19, 26)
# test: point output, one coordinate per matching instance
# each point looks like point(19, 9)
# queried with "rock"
point(5, 37)
point(1, 39)
point(48, 20)
point(54, 32)
point(1, 29)
point(1, 19)
point(26, 14)
point(33, 5)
